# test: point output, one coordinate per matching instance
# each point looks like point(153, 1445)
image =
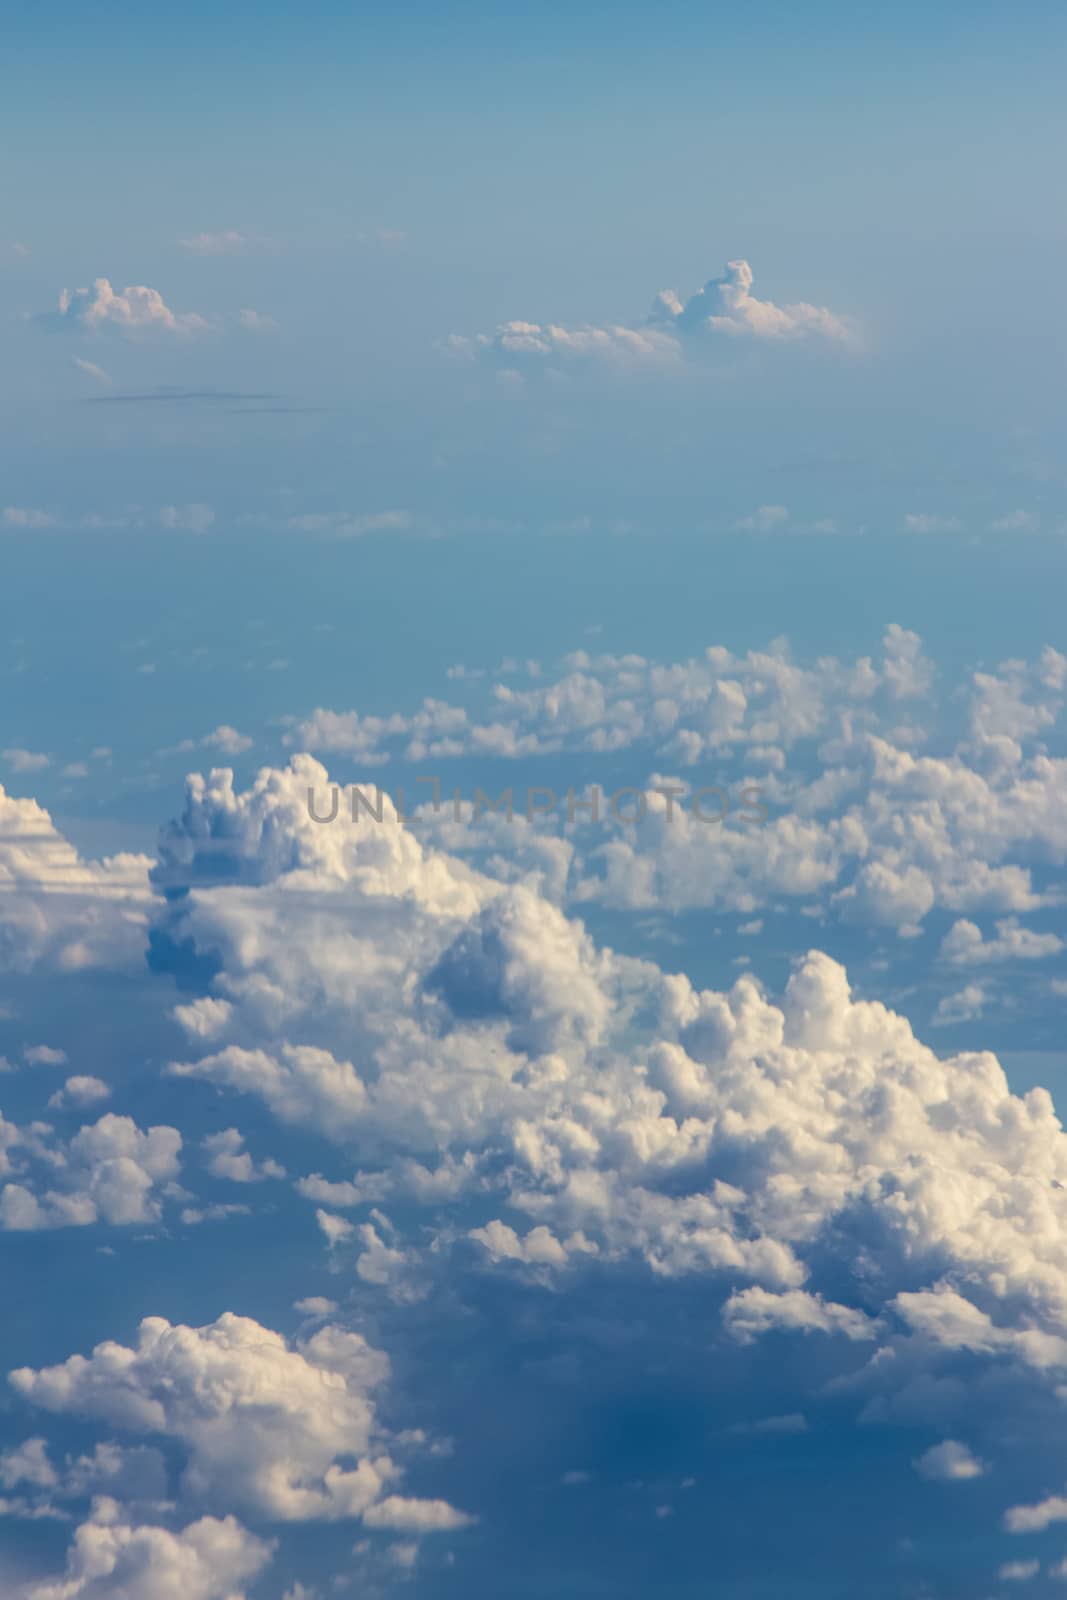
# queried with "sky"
point(532, 792)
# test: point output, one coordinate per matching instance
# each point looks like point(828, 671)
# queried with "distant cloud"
point(346, 525)
point(195, 518)
point(763, 519)
point(1015, 522)
point(927, 522)
point(227, 243)
point(25, 760)
point(723, 307)
point(134, 310)
point(726, 305)
point(91, 370)
point(256, 322)
point(26, 517)
point(949, 1462)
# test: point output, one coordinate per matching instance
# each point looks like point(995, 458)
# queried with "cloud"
point(110, 1172)
point(949, 1462)
point(81, 1090)
point(59, 910)
point(965, 946)
point(929, 522)
point(91, 370)
point(195, 518)
point(227, 1158)
point(724, 308)
point(26, 760)
point(764, 519)
point(288, 1432)
point(726, 305)
point(132, 311)
point(1019, 1571)
point(751, 1312)
point(111, 1559)
point(27, 517)
point(256, 321)
point(1036, 1518)
point(227, 243)
point(469, 1025)
point(966, 1005)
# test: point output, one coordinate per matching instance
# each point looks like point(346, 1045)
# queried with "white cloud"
point(227, 1158)
point(27, 517)
point(267, 1426)
point(751, 1312)
point(949, 1462)
point(965, 1005)
point(134, 310)
point(59, 910)
point(726, 305)
point(1036, 1518)
point(91, 370)
point(931, 522)
point(80, 1090)
point(1019, 1571)
point(111, 1171)
point(724, 308)
point(965, 946)
point(195, 518)
point(26, 760)
point(1016, 522)
point(764, 519)
point(111, 1559)
point(226, 243)
point(469, 1024)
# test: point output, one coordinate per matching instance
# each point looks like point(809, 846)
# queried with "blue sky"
point(555, 402)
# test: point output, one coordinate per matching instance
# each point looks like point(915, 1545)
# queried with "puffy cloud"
point(267, 1426)
point(59, 910)
point(727, 305)
point(724, 308)
point(112, 1559)
point(593, 1106)
point(965, 946)
point(25, 760)
point(80, 1090)
point(227, 1158)
point(966, 1005)
point(132, 311)
point(110, 1171)
point(949, 1462)
point(1019, 1571)
point(416, 1516)
point(751, 1312)
point(1036, 1518)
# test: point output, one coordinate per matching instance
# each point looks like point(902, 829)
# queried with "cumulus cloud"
point(133, 311)
point(965, 946)
point(111, 1171)
point(226, 1157)
point(727, 305)
point(600, 1109)
point(80, 1090)
point(286, 1432)
point(59, 910)
point(949, 1462)
point(725, 308)
point(112, 1559)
